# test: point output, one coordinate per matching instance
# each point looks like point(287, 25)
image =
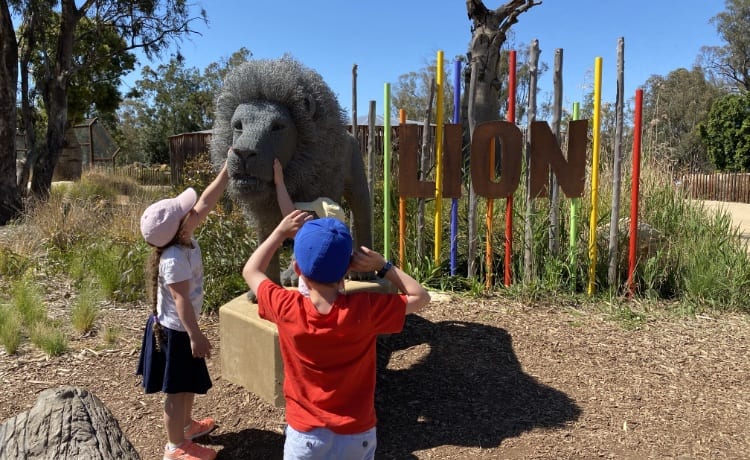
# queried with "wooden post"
point(616, 180)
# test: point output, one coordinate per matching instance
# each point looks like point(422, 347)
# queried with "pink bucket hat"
point(161, 220)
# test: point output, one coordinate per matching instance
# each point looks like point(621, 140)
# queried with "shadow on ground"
point(248, 444)
point(446, 383)
point(466, 389)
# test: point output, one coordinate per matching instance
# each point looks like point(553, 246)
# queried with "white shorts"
point(324, 444)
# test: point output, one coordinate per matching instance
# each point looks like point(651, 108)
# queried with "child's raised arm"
point(211, 195)
point(282, 194)
point(256, 265)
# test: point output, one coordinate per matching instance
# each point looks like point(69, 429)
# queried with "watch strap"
point(383, 271)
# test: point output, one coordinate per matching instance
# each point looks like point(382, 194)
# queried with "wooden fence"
point(145, 175)
point(718, 187)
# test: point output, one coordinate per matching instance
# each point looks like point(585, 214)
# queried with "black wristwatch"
point(382, 272)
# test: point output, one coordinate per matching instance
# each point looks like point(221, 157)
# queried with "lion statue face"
point(261, 131)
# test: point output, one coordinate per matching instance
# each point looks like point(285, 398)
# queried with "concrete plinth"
point(250, 354)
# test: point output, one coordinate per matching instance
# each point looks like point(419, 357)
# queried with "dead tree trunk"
point(488, 33)
point(65, 423)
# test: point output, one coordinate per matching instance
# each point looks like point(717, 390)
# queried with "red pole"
point(634, 188)
point(511, 117)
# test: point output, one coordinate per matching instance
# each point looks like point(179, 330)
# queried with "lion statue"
point(278, 108)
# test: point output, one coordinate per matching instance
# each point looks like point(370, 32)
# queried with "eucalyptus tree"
point(673, 109)
point(730, 63)
point(149, 26)
point(171, 99)
point(10, 203)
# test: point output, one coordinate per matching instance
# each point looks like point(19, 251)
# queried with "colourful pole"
point(595, 174)
point(401, 211)
point(488, 223)
point(387, 172)
point(635, 186)
point(575, 207)
point(439, 158)
point(454, 201)
point(511, 117)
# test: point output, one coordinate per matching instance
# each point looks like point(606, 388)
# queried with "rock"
point(65, 423)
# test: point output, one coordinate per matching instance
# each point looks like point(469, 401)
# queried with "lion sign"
point(279, 108)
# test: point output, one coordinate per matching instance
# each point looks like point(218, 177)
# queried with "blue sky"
point(389, 38)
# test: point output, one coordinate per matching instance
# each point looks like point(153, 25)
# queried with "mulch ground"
point(467, 379)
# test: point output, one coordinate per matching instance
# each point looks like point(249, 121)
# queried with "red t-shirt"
point(329, 360)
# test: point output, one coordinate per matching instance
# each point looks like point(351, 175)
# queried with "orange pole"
point(511, 117)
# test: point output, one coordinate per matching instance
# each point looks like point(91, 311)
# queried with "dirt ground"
point(467, 379)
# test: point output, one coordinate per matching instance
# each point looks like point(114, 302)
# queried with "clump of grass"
point(28, 300)
point(85, 310)
point(112, 334)
point(11, 264)
point(10, 328)
point(49, 337)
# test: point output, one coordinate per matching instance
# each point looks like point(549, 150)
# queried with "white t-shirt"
point(179, 263)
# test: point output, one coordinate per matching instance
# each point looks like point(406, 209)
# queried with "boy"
point(328, 339)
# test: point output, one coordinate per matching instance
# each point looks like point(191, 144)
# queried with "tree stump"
point(65, 423)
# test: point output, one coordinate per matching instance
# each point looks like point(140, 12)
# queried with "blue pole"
point(454, 201)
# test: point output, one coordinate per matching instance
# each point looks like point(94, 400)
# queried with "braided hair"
point(152, 283)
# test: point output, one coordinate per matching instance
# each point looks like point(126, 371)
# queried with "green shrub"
point(226, 243)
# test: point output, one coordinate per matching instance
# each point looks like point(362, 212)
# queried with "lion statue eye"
point(237, 125)
point(278, 126)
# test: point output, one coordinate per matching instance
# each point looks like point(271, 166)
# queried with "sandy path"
point(740, 213)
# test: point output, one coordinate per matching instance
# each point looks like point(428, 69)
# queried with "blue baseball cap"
point(323, 249)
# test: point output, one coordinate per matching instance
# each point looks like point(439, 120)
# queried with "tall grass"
point(696, 258)
point(10, 328)
point(89, 231)
point(28, 299)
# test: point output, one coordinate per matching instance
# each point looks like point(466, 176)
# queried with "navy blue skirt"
point(172, 369)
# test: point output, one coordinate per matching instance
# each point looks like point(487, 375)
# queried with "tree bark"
point(57, 100)
point(10, 198)
point(554, 197)
point(28, 120)
point(616, 168)
point(528, 247)
point(65, 423)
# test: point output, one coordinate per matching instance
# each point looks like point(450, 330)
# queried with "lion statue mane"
point(278, 108)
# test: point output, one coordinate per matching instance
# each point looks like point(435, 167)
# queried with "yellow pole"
point(439, 158)
point(595, 174)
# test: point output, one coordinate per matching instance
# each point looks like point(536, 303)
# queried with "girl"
point(174, 349)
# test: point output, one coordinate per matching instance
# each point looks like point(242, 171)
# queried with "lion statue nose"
point(244, 154)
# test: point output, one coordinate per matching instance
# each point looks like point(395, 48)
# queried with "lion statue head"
point(278, 108)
